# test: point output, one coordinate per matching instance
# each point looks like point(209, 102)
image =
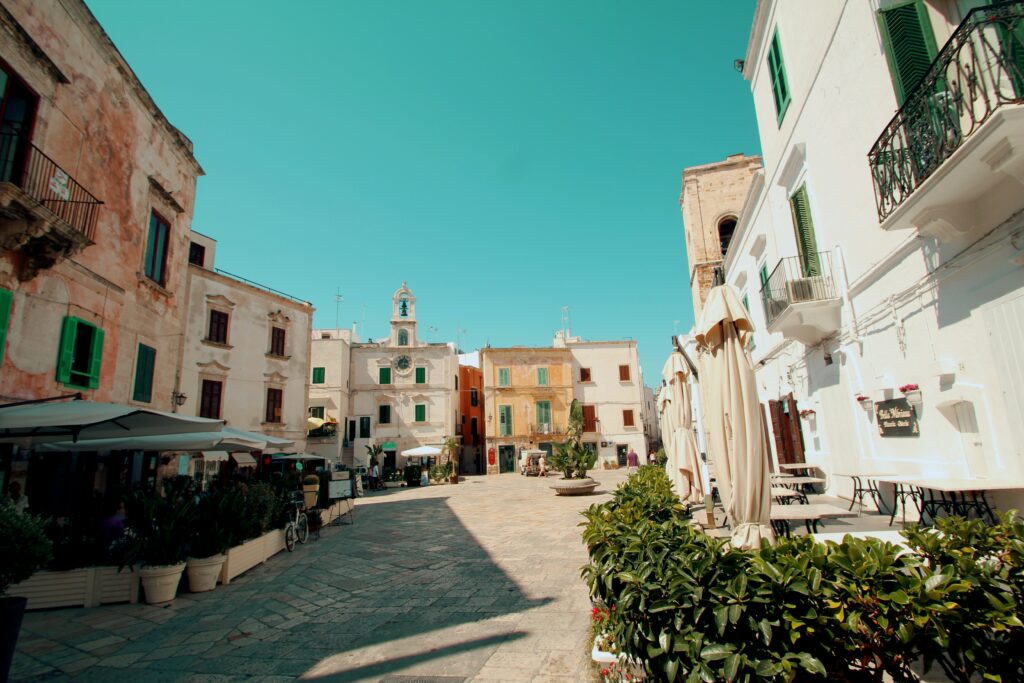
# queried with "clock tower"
point(403, 318)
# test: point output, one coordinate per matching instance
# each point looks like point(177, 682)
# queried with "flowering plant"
point(862, 398)
point(908, 388)
point(807, 413)
point(616, 673)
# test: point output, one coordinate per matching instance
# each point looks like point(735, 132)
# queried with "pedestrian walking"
point(542, 466)
point(632, 461)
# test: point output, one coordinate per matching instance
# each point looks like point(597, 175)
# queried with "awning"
point(422, 452)
point(215, 456)
point(243, 459)
point(227, 438)
point(35, 423)
point(298, 456)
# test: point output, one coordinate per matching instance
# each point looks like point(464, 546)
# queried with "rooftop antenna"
point(338, 298)
point(458, 338)
point(362, 322)
point(565, 322)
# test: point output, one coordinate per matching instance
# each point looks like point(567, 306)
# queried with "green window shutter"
point(746, 303)
point(777, 73)
point(1011, 40)
point(421, 375)
point(364, 428)
point(318, 375)
point(505, 420)
point(96, 359)
point(763, 274)
point(66, 354)
point(144, 365)
point(542, 377)
point(804, 226)
point(421, 412)
point(384, 414)
point(909, 44)
point(543, 413)
point(384, 375)
point(6, 301)
point(503, 377)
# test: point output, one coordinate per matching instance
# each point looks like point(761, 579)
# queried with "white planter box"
point(256, 551)
point(86, 587)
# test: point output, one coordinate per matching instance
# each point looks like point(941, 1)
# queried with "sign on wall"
point(896, 417)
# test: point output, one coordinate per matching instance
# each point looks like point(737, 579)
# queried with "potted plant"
point(24, 548)
point(394, 479)
point(210, 540)
point(158, 531)
point(413, 474)
point(912, 392)
point(314, 520)
point(573, 459)
point(310, 490)
point(451, 448)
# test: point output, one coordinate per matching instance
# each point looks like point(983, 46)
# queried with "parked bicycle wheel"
point(289, 537)
point(302, 528)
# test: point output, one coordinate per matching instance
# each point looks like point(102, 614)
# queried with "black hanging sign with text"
point(896, 417)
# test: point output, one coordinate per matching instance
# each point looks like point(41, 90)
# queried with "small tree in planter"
point(375, 453)
point(572, 458)
point(158, 534)
point(451, 449)
point(24, 548)
point(210, 540)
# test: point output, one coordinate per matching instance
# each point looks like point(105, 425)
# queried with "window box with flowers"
point(912, 392)
point(614, 666)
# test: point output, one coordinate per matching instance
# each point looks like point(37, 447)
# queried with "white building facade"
point(329, 394)
point(245, 356)
point(880, 249)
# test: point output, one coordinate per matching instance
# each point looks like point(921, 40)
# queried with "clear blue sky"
point(505, 158)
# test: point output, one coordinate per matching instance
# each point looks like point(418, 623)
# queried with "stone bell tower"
point(403, 317)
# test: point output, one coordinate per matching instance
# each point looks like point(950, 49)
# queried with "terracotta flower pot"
point(203, 572)
point(160, 583)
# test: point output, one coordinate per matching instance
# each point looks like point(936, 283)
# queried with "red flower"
point(605, 672)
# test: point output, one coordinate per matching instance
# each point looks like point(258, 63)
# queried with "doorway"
point(789, 440)
point(506, 459)
point(389, 460)
point(971, 439)
point(621, 451)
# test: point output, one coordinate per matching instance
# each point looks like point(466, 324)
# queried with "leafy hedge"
point(693, 609)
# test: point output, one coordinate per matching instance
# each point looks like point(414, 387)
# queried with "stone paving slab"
point(478, 580)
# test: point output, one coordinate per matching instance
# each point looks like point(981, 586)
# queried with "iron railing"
point(24, 165)
point(797, 280)
point(978, 70)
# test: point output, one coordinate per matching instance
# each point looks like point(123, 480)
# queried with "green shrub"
point(441, 472)
point(412, 474)
point(158, 526)
point(212, 532)
point(691, 608)
point(24, 547)
point(310, 480)
point(661, 457)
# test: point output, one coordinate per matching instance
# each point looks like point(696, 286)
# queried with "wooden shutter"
point(795, 433)
point(584, 374)
point(589, 418)
point(319, 375)
point(503, 377)
point(777, 73)
point(66, 352)
point(421, 412)
point(364, 428)
point(6, 301)
point(909, 44)
point(778, 430)
point(421, 375)
point(627, 418)
point(542, 377)
point(384, 375)
point(543, 413)
point(95, 357)
point(804, 227)
point(623, 373)
point(144, 366)
point(1011, 40)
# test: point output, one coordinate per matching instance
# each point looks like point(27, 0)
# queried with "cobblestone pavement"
point(478, 581)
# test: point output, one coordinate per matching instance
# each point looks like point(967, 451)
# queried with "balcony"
point(44, 213)
point(800, 299)
point(952, 159)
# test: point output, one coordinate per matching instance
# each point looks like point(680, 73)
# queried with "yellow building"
point(527, 394)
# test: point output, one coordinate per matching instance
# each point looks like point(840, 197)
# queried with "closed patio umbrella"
point(732, 417)
point(683, 460)
point(228, 439)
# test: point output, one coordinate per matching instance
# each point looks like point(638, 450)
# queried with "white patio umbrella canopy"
point(421, 452)
point(683, 460)
point(37, 423)
point(227, 439)
point(732, 417)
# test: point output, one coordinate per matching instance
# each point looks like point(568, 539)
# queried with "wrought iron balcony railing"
point(24, 165)
point(797, 280)
point(977, 71)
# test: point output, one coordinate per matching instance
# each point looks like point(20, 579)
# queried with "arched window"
point(726, 227)
point(403, 338)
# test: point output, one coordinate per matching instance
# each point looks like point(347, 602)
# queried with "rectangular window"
point(6, 302)
point(584, 374)
point(274, 402)
point(156, 248)
point(909, 44)
point(145, 363)
point(473, 426)
point(503, 377)
point(542, 377)
point(763, 274)
point(803, 225)
point(197, 254)
point(276, 341)
point(474, 398)
point(319, 375)
point(543, 414)
point(80, 355)
point(421, 412)
point(317, 412)
point(504, 420)
point(351, 430)
point(364, 428)
point(218, 331)
point(384, 375)
point(623, 373)
point(627, 418)
point(384, 414)
point(777, 73)
point(421, 375)
point(209, 399)
point(589, 418)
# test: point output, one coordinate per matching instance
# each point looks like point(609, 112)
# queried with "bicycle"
point(297, 529)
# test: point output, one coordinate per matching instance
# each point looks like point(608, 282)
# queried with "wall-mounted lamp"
point(738, 64)
point(178, 398)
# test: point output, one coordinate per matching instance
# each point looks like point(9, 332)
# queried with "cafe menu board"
point(896, 417)
point(339, 488)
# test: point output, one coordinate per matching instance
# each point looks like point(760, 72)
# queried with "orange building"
point(471, 419)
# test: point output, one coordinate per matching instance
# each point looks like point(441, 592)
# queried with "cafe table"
point(811, 515)
point(952, 495)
